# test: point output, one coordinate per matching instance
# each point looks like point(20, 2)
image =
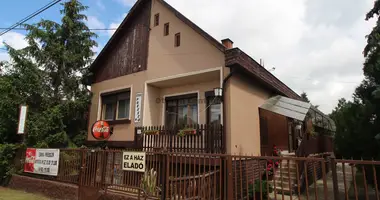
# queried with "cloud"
point(13, 39)
point(94, 22)
point(128, 3)
point(315, 46)
point(100, 4)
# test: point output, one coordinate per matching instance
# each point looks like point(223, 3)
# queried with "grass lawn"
point(8, 194)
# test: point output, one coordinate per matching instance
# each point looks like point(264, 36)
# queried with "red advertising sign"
point(30, 157)
point(101, 130)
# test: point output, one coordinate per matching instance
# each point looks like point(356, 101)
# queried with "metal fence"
point(181, 175)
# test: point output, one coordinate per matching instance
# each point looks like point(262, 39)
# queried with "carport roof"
point(298, 110)
point(288, 107)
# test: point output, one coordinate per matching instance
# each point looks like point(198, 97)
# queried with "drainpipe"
point(224, 107)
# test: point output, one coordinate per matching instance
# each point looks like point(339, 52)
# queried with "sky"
point(313, 46)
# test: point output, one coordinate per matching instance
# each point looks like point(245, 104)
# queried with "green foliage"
point(266, 188)
point(7, 152)
point(186, 131)
point(304, 97)
point(47, 76)
point(358, 121)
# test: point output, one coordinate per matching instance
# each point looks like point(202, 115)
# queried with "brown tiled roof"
point(236, 57)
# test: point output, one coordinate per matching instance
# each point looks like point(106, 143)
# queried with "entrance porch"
point(182, 114)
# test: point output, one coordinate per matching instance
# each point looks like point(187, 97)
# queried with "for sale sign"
point(42, 161)
point(134, 161)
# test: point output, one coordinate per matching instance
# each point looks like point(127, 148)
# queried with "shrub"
point(7, 154)
point(149, 183)
point(266, 188)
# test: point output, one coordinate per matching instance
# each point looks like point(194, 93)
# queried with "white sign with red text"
point(42, 161)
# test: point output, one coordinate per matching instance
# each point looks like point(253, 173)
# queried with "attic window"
point(177, 40)
point(157, 19)
point(166, 29)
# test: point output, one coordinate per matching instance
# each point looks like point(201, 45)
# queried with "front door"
point(292, 136)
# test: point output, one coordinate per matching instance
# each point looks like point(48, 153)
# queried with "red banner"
point(30, 157)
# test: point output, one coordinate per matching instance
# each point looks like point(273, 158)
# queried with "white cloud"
point(320, 54)
point(128, 3)
point(94, 22)
point(13, 39)
point(100, 4)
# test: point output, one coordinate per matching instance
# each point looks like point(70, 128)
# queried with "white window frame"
point(117, 109)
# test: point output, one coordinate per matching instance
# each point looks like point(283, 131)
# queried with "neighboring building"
point(172, 67)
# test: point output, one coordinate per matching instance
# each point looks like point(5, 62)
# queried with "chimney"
point(228, 43)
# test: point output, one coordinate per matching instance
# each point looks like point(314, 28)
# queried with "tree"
point(304, 97)
point(46, 75)
point(357, 121)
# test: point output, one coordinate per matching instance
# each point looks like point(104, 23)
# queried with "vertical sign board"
point(42, 161)
point(22, 120)
point(138, 107)
point(134, 161)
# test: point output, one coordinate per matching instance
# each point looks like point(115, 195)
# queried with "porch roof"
point(298, 110)
point(288, 107)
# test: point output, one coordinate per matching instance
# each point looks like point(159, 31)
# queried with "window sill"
point(119, 121)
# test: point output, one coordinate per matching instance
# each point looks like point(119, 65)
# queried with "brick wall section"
point(58, 190)
point(52, 189)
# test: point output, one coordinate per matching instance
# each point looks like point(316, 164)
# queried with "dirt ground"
point(9, 194)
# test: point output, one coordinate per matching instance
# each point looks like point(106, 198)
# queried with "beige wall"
point(195, 53)
point(136, 82)
point(164, 60)
point(152, 108)
point(244, 98)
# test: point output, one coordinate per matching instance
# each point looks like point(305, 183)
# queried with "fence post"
point(334, 177)
point(139, 138)
point(163, 174)
point(81, 172)
point(228, 179)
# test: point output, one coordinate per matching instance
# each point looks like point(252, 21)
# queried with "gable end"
point(127, 50)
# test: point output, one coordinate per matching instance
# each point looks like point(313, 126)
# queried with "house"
point(160, 71)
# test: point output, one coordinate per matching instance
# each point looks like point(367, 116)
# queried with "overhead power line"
point(92, 29)
point(47, 6)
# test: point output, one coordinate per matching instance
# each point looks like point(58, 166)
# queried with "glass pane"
point(171, 117)
point(182, 102)
point(182, 115)
point(193, 101)
point(172, 103)
point(109, 111)
point(194, 114)
point(215, 114)
point(123, 109)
